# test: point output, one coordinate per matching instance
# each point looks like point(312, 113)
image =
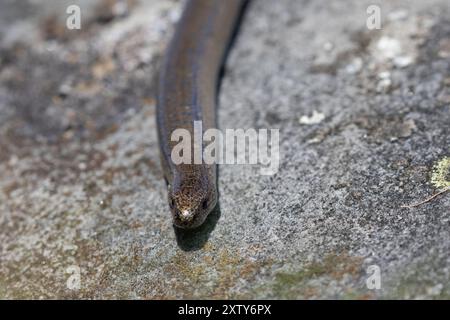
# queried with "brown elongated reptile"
point(186, 93)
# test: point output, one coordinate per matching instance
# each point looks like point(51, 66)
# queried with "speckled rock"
point(81, 187)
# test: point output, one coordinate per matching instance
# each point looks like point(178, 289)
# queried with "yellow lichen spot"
point(441, 172)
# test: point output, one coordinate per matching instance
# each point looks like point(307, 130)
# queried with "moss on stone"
point(296, 284)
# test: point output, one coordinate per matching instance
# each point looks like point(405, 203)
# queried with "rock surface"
point(81, 186)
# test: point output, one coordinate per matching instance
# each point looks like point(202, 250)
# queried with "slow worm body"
point(187, 93)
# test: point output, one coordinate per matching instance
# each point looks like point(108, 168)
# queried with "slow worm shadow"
point(195, 239)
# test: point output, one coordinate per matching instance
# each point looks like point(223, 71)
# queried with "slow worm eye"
point(205, 204)
point(171, 202)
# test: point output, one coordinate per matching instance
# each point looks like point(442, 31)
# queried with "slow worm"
point(186, 93)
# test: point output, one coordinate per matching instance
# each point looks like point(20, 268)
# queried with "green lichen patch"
point(333, 267)
point(423, 279)
point(441, 174)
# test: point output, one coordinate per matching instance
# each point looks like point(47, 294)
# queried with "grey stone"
point(81, 184)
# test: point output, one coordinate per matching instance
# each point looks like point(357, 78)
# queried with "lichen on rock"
point(441, 173)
